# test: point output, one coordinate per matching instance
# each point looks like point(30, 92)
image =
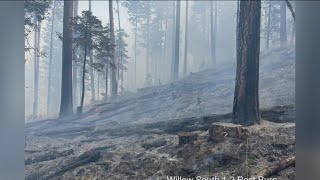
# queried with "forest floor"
point(135, 136)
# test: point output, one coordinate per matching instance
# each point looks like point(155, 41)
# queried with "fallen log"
point(273, 169)
point(85, 158)
point(48, 156)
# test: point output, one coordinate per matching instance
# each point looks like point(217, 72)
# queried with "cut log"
point(85, 158)
point(271, 170)
point(218, 131)
point(54, 154)
point(187, 137)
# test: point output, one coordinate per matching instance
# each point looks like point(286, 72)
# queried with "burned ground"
point(136, 136)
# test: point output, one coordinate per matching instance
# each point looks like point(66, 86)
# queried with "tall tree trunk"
point(177, 43)
point(148, 43)
point(98, 87)
point(215, 31)
point(83, 75)
point(283, 23)
point(246, 96)
point(106, 82)
point(165, 44)
point(237, 23)
point(135, 53)
point(185, 63)
point(212, 34)
point(36, 69)
point(293, 32)
point(268, 30)
point(114, 78)
point(75, 64)
point(66, 106)
point(173, 41)
point(91, 71)
point(50, 61)
point(265, 21)
point(119, 47)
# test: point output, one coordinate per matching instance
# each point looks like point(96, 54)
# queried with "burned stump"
point(219, 131)
point(187, 137)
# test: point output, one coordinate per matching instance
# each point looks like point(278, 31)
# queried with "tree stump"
point(187, 137)
point(218, 131)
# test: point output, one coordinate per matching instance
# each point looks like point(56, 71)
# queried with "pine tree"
point(246, 96)
point(66, 106)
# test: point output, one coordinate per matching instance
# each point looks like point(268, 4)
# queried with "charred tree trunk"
point(283, 23)
point(50, 61)
point(75, 63)
point(114, 78)
point(215, 31)
point(66, 106)
point(246, 97)
point(177, 43)
point(148, 44)
point(120, 69)
point(268, 30)
point(185, 64)
point(98, 87)
point(93, 91)
point(173, 41)
point(79, 110)
point(237, 25)
point(293, 32)
point(135, 53)
point(36, 69)
point(212, 35)
point(106, 83)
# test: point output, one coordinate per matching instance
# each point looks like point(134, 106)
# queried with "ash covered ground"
point(135, 136)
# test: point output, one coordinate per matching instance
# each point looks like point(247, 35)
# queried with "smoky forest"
point(159, 90)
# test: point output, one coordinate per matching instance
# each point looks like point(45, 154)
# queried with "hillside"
point(107, 141)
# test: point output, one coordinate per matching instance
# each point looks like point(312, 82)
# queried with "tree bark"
point(75, 64)
point(177, 43)
point(119, 47)
point(106, 83)
point(148, 43)
point(50, 61)
point(135, 53)
point(185, 64)
point(91, 70)
point(268, 30)
point(215, 30)
point(66, 106)
point(212, 35)
point(237, 25)
point(246, 96)
point(173, 42)
point(114, 79)
point(36, 68)
point(79, 110)
point(283, 23)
